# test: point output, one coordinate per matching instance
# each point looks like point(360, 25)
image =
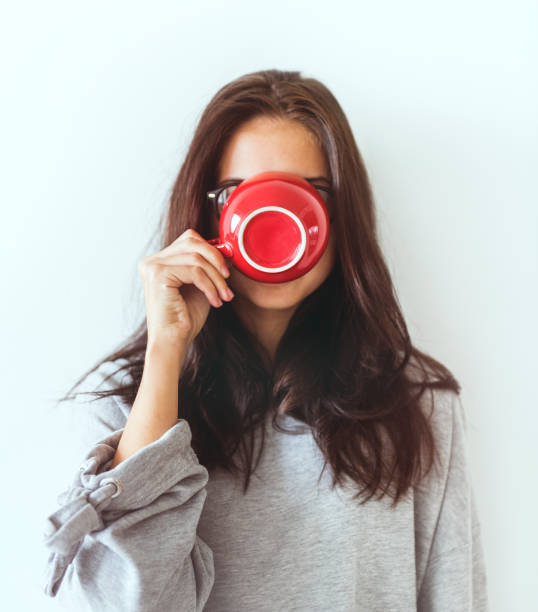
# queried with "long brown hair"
point(345, 365)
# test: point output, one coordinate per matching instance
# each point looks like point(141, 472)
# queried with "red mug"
point(274, 227)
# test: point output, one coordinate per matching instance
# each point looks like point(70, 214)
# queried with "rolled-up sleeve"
point(126, 538)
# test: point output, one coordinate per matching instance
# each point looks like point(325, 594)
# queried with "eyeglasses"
point(217, 198)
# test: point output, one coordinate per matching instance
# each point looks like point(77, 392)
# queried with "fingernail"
point(229, 292)
point(225, 271)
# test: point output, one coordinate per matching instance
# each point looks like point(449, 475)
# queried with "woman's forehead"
point(269, 145)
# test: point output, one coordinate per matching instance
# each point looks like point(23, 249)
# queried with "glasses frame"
point(212, 196)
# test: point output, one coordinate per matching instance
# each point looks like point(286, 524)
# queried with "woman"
point(287, 449)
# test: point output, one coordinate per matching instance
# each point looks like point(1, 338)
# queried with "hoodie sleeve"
point(125, 539)
point(454, 576)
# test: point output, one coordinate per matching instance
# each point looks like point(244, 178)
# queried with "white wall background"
point(99, 100)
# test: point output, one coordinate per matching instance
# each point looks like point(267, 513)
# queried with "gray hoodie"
point(158, 533)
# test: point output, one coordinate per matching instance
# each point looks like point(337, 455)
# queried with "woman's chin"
point(274, 296)
point(273, 302)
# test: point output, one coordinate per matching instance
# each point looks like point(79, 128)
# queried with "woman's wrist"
point(166, 353)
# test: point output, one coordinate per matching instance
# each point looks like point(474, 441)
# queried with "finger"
point(197, 276)
point(211, 253)
point(194, 240)
point(195, 258)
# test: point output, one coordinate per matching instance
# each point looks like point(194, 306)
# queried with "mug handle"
point(224, 247)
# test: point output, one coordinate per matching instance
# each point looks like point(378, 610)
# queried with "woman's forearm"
point(155, 409)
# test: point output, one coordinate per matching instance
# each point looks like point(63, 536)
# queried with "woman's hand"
point(180, 282)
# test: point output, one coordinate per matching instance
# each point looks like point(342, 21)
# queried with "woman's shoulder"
point(445, 515)
point(442, 406)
